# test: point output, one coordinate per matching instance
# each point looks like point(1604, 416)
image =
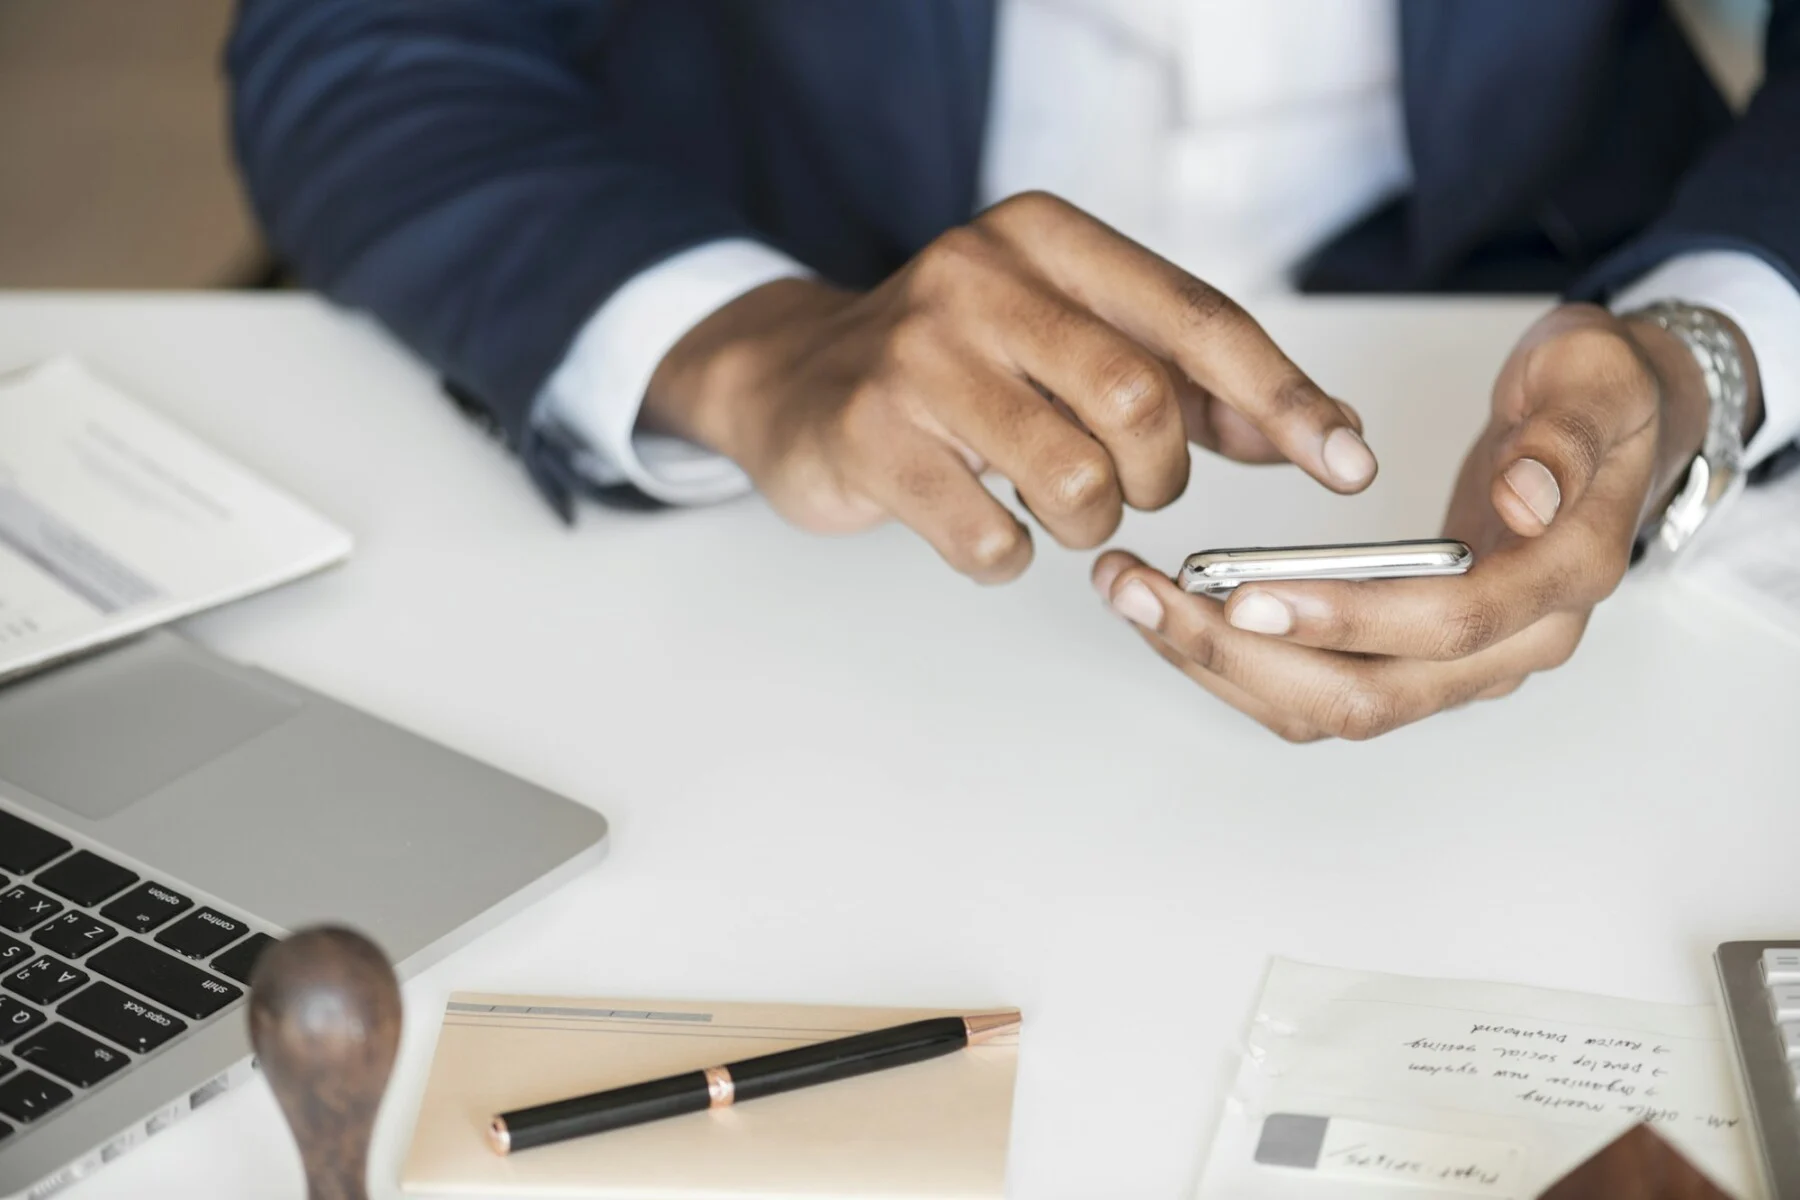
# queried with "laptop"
point(165, 815)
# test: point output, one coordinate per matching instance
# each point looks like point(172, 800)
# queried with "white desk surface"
point(838, 773)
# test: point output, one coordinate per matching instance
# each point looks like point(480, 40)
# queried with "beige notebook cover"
point(935, 1130)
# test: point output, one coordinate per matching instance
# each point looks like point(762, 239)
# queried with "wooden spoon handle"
point(325, 1022)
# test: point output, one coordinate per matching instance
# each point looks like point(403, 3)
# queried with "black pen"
point(751, 1079)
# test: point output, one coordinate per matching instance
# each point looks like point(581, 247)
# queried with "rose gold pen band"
point(719, 1087)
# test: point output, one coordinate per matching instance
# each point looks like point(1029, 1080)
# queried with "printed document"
point(114, 521)
point(1426, 1089)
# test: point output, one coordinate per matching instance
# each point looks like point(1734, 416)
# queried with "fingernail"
point(1532, 482)
point(1104, 575)
point(1347, 457)
point(1138, 604)
point(1259, 612)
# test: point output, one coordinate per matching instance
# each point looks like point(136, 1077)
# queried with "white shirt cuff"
point(1764, 305)
point(595, 394)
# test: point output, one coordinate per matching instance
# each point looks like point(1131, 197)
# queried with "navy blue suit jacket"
point(482, 174)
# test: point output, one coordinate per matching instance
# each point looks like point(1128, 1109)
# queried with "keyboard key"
point(70, 1056)
point(113, 1015)
point(1794, 1076)
point(240, 960)
point(1784, 1001)
point(86, 878)
point(6, 1067)
point(146, 906)
point(74, 934)
point(45, 981)
point(17, 1019)
point(1790, 1041)
point(27, 1096)
point(1781, 966)
point(5, 1131)
point(22, 907)
point(203, 934)
point(13, 953)
point(25, 847)
point(164, 978)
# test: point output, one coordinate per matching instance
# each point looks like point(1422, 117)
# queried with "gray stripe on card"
point(1291, 1140)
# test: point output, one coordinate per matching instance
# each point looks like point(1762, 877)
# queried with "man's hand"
point(1035, 341)
point(1593, 421)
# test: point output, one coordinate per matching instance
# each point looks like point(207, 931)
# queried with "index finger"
point(1197, 327)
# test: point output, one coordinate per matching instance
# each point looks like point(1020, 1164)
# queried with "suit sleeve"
point(1744, 194)
point(464, 169)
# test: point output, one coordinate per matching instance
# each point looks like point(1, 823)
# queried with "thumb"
point(1585, 394)
point(1527, 496)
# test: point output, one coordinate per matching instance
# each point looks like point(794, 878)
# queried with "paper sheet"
point(113, 521)
point(1420, 1089)
point(1753, 557)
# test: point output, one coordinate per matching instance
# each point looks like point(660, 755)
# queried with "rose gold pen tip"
point(499, 1137)
point(985, 1027)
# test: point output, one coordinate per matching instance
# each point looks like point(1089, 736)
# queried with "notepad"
point(935, 1130)
point(1387, 1087)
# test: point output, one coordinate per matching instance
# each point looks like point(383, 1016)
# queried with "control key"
point(202, 933)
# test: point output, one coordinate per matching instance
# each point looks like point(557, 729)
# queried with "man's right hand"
point(1034, 341)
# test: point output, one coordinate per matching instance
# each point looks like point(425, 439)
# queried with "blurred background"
point(115, 167)
point(116, 161)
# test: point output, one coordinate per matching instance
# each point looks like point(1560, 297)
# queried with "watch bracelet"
point(1717, 473)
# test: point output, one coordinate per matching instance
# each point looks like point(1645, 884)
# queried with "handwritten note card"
point(1423, 1088)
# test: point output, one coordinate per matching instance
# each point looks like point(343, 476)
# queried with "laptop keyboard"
point(99, 966)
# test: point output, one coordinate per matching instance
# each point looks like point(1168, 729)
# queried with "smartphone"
point(1218, 572)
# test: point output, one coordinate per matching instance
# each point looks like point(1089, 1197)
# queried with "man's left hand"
point(1594, 419)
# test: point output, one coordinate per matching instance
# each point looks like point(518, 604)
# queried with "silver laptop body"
point(165, 813)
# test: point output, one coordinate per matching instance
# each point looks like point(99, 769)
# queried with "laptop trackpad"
point(97, 735)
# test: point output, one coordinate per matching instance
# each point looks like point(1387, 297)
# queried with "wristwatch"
point(1717, 474)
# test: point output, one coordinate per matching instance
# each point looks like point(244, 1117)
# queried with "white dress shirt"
point(1231, 138)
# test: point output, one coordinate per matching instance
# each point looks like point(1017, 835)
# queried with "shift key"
point(163, 977)
point(113, 1015)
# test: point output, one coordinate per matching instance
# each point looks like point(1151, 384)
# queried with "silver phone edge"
point(1195, 580)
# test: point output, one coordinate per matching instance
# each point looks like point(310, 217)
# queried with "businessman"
point(857, 254)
